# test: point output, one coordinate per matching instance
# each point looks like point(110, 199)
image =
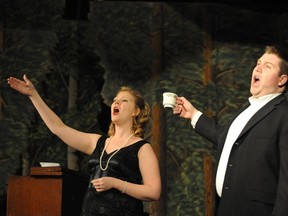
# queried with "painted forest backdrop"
point(77, 60)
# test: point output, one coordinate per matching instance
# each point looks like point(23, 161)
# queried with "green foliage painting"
point(114, 47)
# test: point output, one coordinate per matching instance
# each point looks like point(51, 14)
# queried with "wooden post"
point(209, 185)
point(158, 124)
point(1, 49)
point(208, 46)
point(158, 142)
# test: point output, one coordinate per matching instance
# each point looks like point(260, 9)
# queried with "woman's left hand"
point(102, 184)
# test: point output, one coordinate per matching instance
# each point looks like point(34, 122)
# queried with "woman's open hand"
point(23, 86)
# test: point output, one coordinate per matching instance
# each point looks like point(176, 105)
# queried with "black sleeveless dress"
point(123, 165)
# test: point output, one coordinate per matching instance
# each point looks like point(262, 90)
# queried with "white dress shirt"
point(235, 129)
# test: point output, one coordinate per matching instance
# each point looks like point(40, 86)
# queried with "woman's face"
point(123, 108)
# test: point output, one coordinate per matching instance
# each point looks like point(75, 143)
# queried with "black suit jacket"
point(256, 180)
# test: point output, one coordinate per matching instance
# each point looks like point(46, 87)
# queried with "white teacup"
point(169, 99)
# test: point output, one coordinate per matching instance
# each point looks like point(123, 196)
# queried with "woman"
point(124, 167)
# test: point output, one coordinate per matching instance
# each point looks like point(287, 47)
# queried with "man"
point(252, 161)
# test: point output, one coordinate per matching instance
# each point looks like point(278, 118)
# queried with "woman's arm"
point(84, 142)
point(149, 168)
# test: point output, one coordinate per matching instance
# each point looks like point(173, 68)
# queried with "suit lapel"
point(265, 110)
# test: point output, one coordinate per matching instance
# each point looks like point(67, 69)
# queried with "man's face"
point(265, 77)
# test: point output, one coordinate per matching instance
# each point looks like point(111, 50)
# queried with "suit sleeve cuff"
point(195, 118)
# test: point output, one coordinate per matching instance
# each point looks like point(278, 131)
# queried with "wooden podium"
point(48, 191)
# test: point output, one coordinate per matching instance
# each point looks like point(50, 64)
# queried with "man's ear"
point(283, 80)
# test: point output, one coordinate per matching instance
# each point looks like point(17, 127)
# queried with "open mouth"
point(115, 110)
point(256, 79)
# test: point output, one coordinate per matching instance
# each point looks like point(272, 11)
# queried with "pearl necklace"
point(107, 164)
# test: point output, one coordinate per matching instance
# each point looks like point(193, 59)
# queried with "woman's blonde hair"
point(140, 120)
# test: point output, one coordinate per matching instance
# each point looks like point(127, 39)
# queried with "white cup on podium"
point(169, 99)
